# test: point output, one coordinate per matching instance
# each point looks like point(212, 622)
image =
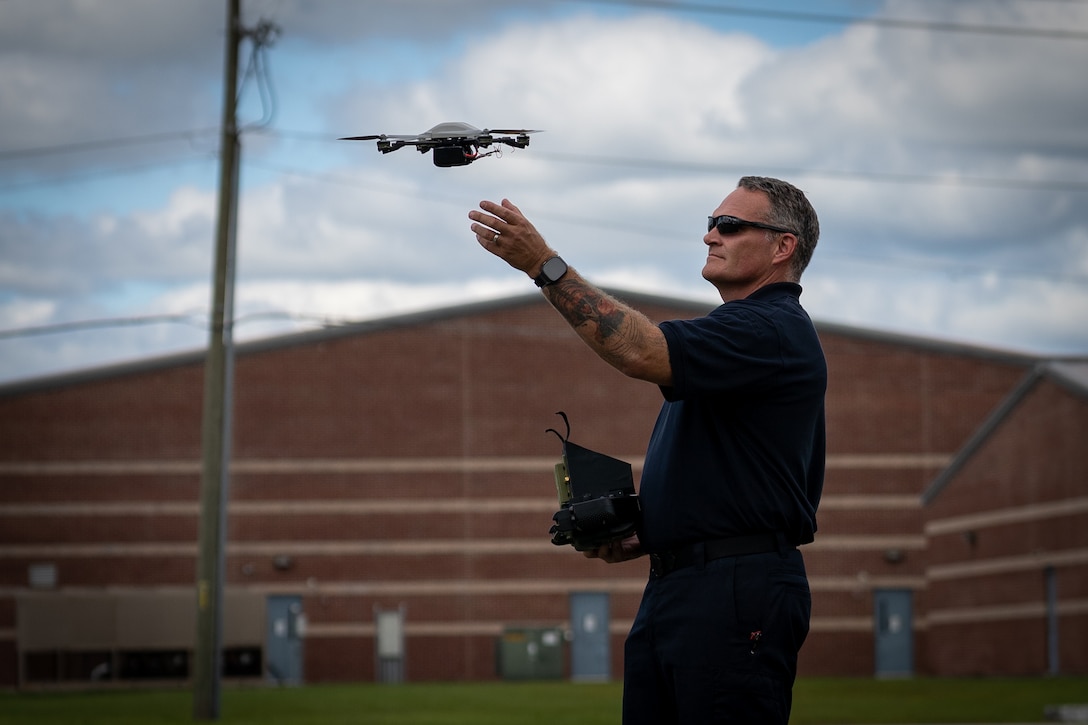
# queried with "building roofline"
point(274, 342)
point(392, 322)
point(938, 345)
point(1070, 374)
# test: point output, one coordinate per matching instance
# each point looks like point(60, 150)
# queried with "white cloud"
point(27, 313)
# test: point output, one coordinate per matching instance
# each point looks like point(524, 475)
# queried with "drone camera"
point(446, 156)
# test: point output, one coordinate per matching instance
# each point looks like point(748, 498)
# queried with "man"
point(734, 468)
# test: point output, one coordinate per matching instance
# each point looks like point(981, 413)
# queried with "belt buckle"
point(661, 564)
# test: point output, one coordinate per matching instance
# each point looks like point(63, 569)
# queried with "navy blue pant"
point(718, 642)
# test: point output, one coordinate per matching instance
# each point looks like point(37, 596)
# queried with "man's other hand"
point(617, 551)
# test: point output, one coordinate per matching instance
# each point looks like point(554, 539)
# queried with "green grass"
point(988, 700)
point(832, 701)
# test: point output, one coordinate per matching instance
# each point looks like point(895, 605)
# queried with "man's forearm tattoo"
point(581, 304)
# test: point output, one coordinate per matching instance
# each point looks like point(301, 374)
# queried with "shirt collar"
point(776, 289)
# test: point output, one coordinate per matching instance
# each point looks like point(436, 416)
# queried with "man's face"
point(739, 263)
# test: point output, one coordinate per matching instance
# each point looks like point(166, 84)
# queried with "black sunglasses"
point(727, 225)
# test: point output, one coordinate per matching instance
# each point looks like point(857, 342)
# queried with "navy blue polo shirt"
point(738, 447)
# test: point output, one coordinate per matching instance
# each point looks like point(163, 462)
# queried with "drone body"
point(454, 143)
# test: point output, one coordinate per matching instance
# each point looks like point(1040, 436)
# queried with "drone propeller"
point(421, 137)
point(378, 136)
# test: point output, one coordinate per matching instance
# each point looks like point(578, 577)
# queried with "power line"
point(837, 19)
point(658, 165)
point(886, 177)
point(267, 99)
point(951, 269)
point(943, 179)
point(75, 178)
point(80, 325)
point(198, 320)
point(109, 143)
point(263, 35)
point(614, 225)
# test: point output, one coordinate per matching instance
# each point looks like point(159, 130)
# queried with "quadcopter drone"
point(454, 144)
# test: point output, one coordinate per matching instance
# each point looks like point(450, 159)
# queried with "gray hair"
point(792, 210)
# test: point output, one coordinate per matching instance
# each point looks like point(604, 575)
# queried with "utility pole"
point(216, 427)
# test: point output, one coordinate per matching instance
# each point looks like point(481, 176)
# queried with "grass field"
point(836, 701)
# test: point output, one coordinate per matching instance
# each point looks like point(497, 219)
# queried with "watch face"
point(553, 269)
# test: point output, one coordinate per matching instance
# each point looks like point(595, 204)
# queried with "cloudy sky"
point(944, 144)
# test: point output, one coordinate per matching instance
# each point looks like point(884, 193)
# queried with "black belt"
point(664, 562)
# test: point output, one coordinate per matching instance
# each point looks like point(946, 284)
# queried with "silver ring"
point(495, 239)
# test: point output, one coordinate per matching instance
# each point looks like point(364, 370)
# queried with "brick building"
point(391, 492)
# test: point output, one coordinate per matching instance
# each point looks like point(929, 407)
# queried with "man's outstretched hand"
point(505, 232)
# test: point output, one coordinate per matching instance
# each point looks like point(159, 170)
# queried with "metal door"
point(590, 652)
point(894, 632)
point(283, 640)
point(389, 644)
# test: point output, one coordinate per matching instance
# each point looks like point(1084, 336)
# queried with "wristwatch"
point(551, 272)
